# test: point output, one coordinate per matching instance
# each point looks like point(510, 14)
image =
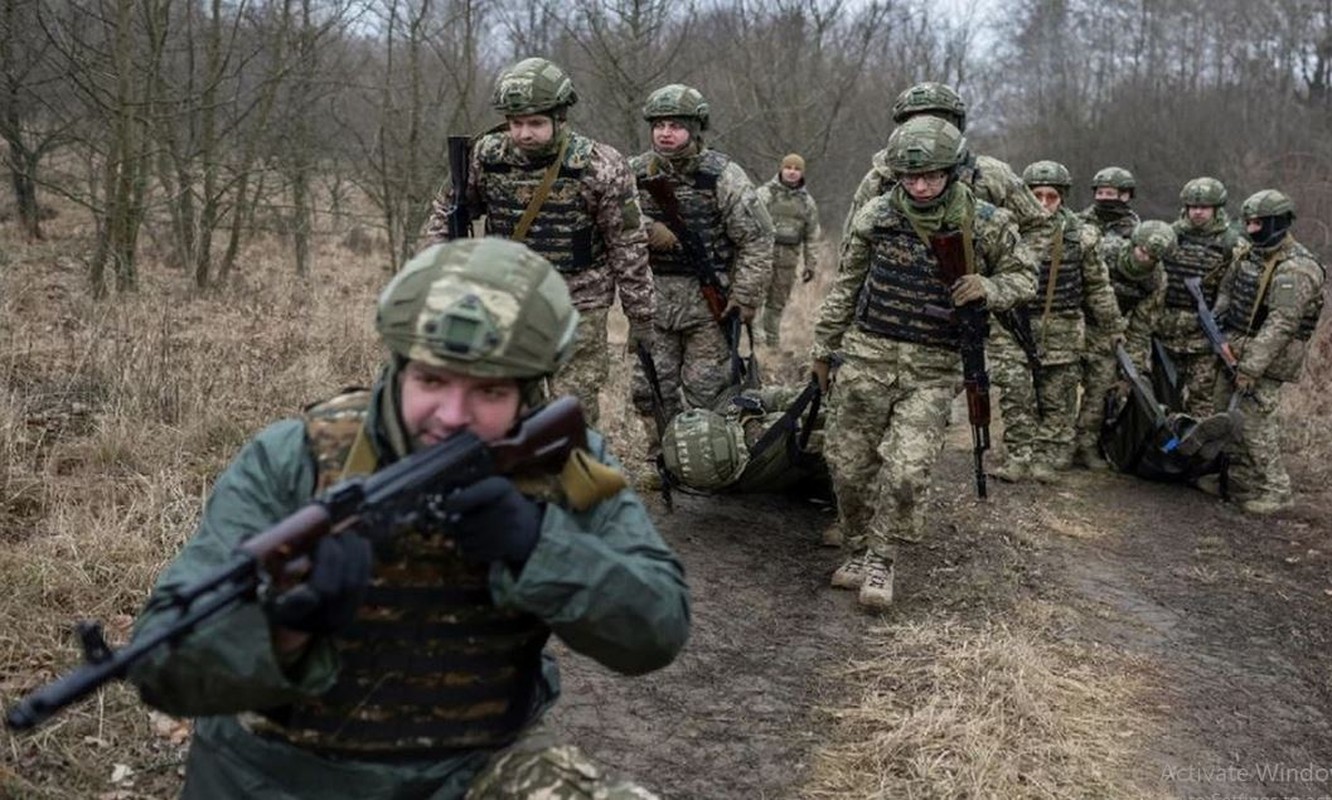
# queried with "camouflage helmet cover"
point(483, 307)
point(532, 86)
point(703, 450)
point(1203, 192)
point(677, 100)
point(1047, 173)
point(931, 98)
point(925, 144)
point(1114, 177)
point(1156, 237)
point(1267, 203)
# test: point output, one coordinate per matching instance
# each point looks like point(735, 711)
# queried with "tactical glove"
point(327, 600)
point(746, 312)
point(492, 521)
point(661, 237)
point(969, 289)
point(820, 369)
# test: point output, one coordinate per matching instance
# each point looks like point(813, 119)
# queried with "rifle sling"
point(539, 197)
point(789, 419)
point(361, 458)
point(1269, 269)
point(1056, 256)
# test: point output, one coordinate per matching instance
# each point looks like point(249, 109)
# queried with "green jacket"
point(602, 580)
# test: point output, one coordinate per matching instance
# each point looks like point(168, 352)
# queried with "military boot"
point(1208, 484)
point(833, 536)
point(1208, 437)
point(876, 592)
point(1043, 472)
point(852, 572)
point(1014, 470)
point(1265, 504)
point(1089, 456)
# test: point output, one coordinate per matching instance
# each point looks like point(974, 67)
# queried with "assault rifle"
point(973, 323)
point(460, 161)
point(1215, 336)
point(376, 506)
point(1146, 399)
point(695, 253)
point(1018, 324)
point(659, 418)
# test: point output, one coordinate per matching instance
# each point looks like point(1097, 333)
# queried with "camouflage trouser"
point(1257, 470)
point(588, 367)
point(779, 292)
point(1197, 379)
point(1099, 374)
point(690, 353)
point(885, 431)
point(535, 768)
point(1028, 436)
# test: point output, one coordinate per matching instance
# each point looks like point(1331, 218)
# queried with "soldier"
point(730, 233)
point(418, 668)
point(1110, 212)
point(990, 179)
point(1073, 285)
point(1269, 303)
point(1208, 246)
point(1137, 276)
point(768, 441)
point(569, 198)
point(895, 390)
point(796, 233)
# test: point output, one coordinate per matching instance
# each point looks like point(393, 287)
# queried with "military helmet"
point(1267, 203)
point(677, 100)
point(703, 450)
point(1203, 192)
point(931, 98)
point(532, 86)
point(925, 144)
point(1047, 173)
point(1156, 237)
point(484, 307)
point(1114, 177)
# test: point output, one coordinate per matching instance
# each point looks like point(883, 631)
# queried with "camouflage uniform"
point(1269, 303)
point(893, 394)
point(720, 205)
point(1140, 294)
point(796, 233)
point(1112, 217)
point(1065, 299)
point(1205, 252)
point(589, 226)
point(437, 684)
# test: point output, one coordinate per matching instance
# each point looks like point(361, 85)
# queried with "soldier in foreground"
point(989, 179)
point(1269, 303)
point(417, 668)
point(1137, 276)
point(569, 198)
point(797, 239)
point(710, 247)
point(1207, 248)
point(1111, 211)
point(1073, 287)
point(894, 392)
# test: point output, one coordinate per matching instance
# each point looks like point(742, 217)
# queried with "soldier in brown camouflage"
point(1073, 285)
point(989, 179)
point(797, 237)
point(1137, 276)
point(1207, 248)
point(587, 223)
point(719, 206)
point(1269, 303)
point(894, 392)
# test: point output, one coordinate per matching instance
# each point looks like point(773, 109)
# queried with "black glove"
point(326, 601)
point(492, 521)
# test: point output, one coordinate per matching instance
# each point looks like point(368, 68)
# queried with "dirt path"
point(1228, 618)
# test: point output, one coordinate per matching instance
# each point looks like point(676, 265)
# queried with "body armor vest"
point(564, 230)
point(1068, 283)
point(787, 209)
point(1244, 298)
point(697, 195)
point(903, 279)
point(1195, 257)
point(430, 666)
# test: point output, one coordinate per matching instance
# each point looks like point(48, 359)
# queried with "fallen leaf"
point(120, 773)
point(164, 726)
point(93, 740)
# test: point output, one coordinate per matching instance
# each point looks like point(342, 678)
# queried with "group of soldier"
point(409, 660)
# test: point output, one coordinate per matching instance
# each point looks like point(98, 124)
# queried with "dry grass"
point(983, 709)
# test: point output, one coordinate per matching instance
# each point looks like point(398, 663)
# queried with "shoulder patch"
point(579, 153)
point(491, 147)
point(1285, 291)
point(330, 430)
